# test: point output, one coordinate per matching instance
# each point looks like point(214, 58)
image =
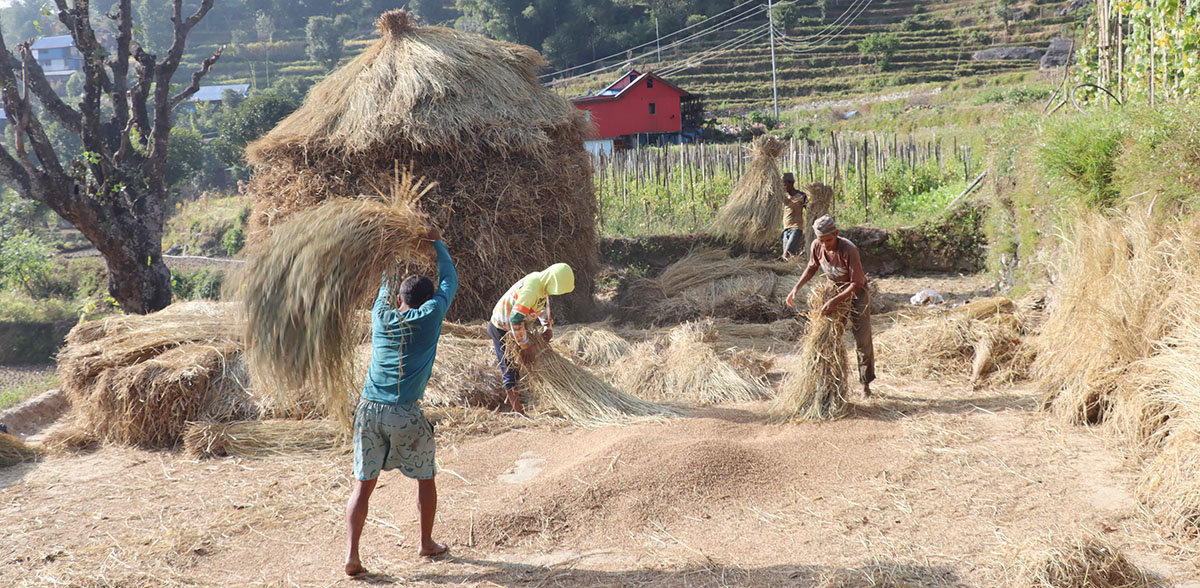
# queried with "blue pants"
point(511, 376)
point(793, 240)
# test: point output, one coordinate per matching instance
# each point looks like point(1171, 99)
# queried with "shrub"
point(980, 38)
point(202, 283)
point(26, 264)
point(1082, 153)
point(880, 48)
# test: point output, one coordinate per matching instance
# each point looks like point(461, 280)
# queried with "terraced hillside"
point(939, 49)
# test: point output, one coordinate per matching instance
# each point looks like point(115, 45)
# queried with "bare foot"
point(866, 390)
point(354, 568)
point(432, 549)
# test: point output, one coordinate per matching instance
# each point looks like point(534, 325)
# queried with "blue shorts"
point(393, 436)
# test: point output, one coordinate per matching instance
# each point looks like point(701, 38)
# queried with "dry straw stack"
point(464, 374)
point(594, 347)
point(710, 283)
point(815, 387)
point(1085, 562)
point(753, 214)
point(514, 180)
point(688, 370)
point(578, 393)
point(14, 451)
point(982, 339)
point(256, 439)
point(303, 287)
point(139, 379)
point(1120, 347)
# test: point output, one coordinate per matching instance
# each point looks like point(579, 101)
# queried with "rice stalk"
point(303, 287)
point(688, 370)
point(576, 392)
point(13, 450)
point(753, 214)
point(593, 347)
point(258, 439)
point(1088, 561)
point(815, 386)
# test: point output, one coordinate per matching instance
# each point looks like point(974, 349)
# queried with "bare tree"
point(115, 194)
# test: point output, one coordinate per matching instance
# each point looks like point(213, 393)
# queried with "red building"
point(640, 108)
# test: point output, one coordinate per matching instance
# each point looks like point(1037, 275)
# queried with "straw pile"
point(1085, 562)
point(753, 214)
point(710, 283)
point(256, 439)
point(139, 379)
point(514, 180)
point(593, 347)
point(464, 374)
point(688, 370)
point(815, 386)
point(820, 201)
point(14, 451)
point(982, 339)
point(303, 287)
point(576, 392)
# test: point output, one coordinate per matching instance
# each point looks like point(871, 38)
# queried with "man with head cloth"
point(838, 258)
point(794, 202)
point(526, 300)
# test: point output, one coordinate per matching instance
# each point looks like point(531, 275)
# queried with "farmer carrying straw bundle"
point(794, 201)
point(526, 300)
point(390, 429)
point(838, 258)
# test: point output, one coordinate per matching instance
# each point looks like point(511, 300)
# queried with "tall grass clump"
point(1082, 153)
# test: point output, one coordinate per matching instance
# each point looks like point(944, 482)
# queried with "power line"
point(821, 33)
point(790, 45)
point(648, 43)
point(727, 46)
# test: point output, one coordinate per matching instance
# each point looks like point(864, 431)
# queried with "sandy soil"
point(929, 484)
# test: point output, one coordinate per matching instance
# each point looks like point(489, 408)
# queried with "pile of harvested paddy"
point(303, 288)
point(464, 374)
point(138, 380)
point(820, 203)
point(1085, 562)
point(982, 340)
point(815, 387)
point(753, 214)
point(14, 451)
point(577, 393)
point(257, 439)
point(688, 370)
point(464, 111)
point(594, 347)
point(710, 283)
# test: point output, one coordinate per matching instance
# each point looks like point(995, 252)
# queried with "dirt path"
point(933, 483)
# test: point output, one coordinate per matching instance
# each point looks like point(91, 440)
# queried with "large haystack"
point(514, 181)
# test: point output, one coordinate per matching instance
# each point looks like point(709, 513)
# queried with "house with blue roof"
point(57, 56)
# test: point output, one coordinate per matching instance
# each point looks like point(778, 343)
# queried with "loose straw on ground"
point(815, 387)
point(578, 393)
point(594, 346)
point(14, 451)
point(688, 370)
point(303, 286)
point(753, 214)
point(255, 439)
point(1084, 562)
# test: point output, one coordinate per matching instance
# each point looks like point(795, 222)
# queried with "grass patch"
point(209, 225)
point(14, 395)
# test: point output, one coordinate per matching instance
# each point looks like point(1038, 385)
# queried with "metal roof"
point(214, 93)
point(58, 42)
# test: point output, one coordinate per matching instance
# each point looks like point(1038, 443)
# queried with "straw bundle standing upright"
point(815, 388)
point(753, 215)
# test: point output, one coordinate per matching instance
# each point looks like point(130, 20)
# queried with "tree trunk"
point(137, 277)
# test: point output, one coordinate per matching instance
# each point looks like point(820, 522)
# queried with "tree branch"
point(196, 76)
point(19, 109)
point(61, 111)
point(120, 67)
point(13, 173)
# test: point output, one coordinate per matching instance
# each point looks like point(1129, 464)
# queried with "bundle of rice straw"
point(593, 347)
point(14, 451)
point(471, 331)
point(688, 370)
point(464, 374)
point(820, 203)
point(710, 283)
point(977, 339)
point(256, 439)
point(753, 214)
point(815, 387)
point(303, 286)
point(1085, 562)
point(577, 392)
point(139, 379)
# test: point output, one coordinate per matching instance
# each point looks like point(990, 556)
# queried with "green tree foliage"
point(185, 155)
point(1004, 12)
point(325, 41)
point(430, 11)
point(879, 47)
point(153, 25)
point(27, 19)
point(25, 263)
point(250, 120)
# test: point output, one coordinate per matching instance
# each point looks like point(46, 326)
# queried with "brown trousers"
point(860, 322)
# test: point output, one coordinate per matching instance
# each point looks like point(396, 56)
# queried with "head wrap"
point(824, 226)
point(559, 279)
point(789, 177)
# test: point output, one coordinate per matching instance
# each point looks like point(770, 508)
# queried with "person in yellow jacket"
point(525, 301)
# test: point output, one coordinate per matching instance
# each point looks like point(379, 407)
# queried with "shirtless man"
point(839, 259)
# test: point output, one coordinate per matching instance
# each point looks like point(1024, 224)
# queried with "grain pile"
point(753, 214)
point(815, 387)
point(982, 340)
point(687, 369)
point(514, 180)
point(138, 380)
point(303, 287)
point(577, 393)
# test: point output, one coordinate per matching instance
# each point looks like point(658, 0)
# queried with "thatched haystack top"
point(430, 89)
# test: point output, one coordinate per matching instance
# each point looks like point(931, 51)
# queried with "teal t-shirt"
point(403, 344)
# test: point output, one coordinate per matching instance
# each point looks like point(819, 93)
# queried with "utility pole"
point(774, 78)
point(657, 45)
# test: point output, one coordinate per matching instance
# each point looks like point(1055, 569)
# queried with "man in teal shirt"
point(390, 429)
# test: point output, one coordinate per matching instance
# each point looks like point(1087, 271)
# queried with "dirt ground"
point(929, 484)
